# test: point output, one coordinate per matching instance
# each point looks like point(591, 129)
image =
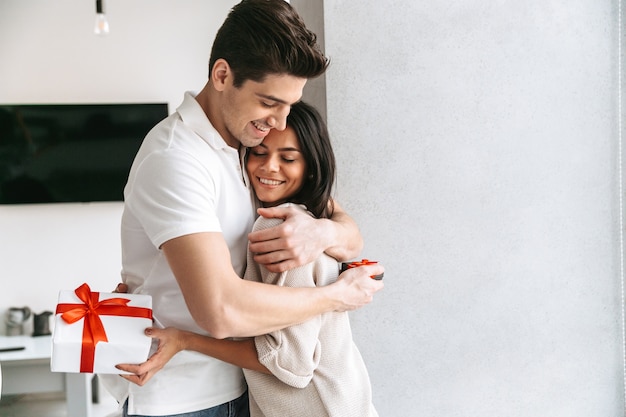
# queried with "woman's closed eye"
point(258, 151)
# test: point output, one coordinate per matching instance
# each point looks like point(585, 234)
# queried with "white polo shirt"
point(185, 179)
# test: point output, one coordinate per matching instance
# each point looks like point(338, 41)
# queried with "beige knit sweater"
point(317, 369)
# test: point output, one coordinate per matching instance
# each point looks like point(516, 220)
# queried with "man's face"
point(252, 110)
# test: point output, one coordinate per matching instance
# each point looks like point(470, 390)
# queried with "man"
point(188, 210)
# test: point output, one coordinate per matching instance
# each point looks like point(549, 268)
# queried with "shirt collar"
point(194, 117)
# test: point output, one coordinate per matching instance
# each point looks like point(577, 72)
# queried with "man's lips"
point(261, 127)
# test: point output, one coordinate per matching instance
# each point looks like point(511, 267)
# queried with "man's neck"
point(208, 99)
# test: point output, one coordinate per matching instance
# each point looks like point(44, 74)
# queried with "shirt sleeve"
point(173, 195)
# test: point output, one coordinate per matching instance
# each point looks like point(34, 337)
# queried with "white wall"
point(156, 50)
point(477, 144)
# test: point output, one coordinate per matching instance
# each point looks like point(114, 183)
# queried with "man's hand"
point(170, 343)
point(299, 240)
point(357, 287)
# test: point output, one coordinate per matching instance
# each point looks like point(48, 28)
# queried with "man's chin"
point(250, 142)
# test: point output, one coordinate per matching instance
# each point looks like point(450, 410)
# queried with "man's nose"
point(278, 120)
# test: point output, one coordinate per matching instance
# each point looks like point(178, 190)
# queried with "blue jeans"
point(238, 407)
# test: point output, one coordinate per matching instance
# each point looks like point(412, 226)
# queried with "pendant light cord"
point(621, 190)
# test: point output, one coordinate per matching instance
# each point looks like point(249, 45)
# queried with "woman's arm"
point(292, 354)
point(241, 353)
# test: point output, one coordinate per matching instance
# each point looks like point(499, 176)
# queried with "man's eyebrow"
point(276, 99)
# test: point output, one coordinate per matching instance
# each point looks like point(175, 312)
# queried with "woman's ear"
point(221, 74)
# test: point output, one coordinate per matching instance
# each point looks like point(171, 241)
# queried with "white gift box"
point(108, 330)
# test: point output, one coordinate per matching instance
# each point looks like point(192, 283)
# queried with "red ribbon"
point(93, 329)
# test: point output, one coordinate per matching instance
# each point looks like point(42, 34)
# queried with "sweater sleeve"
point(292, 354)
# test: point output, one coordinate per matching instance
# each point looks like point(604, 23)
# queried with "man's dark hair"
point(263, 37)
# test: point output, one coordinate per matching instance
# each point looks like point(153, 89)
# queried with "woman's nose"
point(271, 164)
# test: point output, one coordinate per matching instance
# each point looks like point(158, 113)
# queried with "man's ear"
point(221, 74)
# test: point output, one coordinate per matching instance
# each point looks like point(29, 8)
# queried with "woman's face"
point(276, 167)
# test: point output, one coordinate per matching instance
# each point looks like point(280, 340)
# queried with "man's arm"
point(225, 305)
point(300, 239)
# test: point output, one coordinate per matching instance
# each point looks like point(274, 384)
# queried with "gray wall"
point(312, 12)
point(478, 150)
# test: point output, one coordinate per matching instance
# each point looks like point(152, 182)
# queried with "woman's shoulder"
point(301, 207)
point(267, 222)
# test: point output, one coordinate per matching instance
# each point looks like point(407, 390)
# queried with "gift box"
point(94, 331)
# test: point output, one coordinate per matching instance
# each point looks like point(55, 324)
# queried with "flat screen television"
point(64, 153)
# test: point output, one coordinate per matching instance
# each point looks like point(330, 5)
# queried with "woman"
point(314, 368)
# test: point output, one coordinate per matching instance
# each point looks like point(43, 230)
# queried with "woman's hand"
point(121, 288)
point(171, 341)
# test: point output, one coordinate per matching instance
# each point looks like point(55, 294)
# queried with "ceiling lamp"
point(102, 25)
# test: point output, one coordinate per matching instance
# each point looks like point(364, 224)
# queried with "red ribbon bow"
point(93, 329)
